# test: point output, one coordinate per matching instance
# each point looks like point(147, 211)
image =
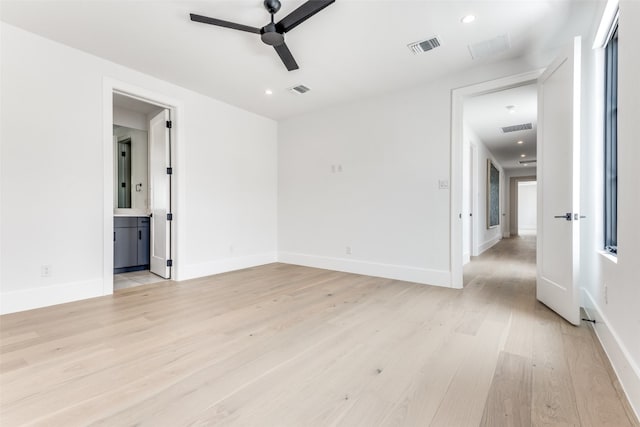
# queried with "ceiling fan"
point(273, 33)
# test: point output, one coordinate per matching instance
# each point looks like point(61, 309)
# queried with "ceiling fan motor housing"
point(270, 36)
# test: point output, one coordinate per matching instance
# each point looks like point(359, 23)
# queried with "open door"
point(160, 194)
point(559, 184)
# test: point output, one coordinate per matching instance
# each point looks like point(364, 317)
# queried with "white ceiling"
point(132, 104)
point(350, 50)
point(487, 114)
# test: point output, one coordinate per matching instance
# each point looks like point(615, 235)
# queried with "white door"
point(160, 194)
point(558, 184)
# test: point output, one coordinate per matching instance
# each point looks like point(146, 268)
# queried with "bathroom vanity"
point(130, 243)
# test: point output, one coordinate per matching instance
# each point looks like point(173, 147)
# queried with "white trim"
point(488, 244)
point(466, 258)
point(607, 24)
point(175, 106)
point(45, 296)
point(457, 102)
point(210, 268)
point(626, 370)
point(390, 271)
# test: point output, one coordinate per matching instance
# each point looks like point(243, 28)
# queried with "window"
point(611, 144)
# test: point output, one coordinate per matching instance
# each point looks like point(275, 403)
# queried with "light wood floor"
point(283, 345)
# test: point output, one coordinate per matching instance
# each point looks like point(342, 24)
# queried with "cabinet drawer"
point(125, 221)
point(143, 221)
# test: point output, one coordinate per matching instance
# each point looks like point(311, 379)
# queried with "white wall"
point(226, 172)
point(611, 287)
point(385, 204)
point(483, 238)
point(487, 237)
point(527, 210)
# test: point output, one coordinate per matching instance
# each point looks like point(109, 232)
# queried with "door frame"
point(458, 97)
point(175, 107)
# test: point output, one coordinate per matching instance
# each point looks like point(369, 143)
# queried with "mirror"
point(124, 173)
point(130, 169)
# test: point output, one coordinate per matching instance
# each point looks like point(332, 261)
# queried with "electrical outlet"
point(443, 184)
point(45, 271)
point(339, 168)
point(230, 249)
point(333, 168)
point(606, 294)
point(348, 250)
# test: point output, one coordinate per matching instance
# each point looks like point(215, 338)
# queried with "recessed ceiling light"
point(523, 155)
point(525, 164)
point(468, 19)
point(520, 142)
point(268, 92)
point(511, 109)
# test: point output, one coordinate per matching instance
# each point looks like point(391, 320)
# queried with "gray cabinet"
point(130, 244)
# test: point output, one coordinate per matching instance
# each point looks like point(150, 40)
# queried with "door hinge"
point(169, 124)
point(169, 263)
point(169, 217)
point(169, 170)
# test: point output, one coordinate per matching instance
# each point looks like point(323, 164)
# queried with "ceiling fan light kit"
point(272, 34)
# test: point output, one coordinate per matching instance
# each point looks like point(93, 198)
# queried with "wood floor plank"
point(509, 400)
point(553, 396)
point(596, 398)
point(470, 384)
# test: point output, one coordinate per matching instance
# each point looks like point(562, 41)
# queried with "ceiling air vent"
point(489, 47)
point(424, 45)
point(516, 128)
point(300, 89)
point(524, 162)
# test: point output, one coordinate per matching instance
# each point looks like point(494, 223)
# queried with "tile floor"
point(135, 278)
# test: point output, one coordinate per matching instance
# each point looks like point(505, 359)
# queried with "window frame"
point(611, 142)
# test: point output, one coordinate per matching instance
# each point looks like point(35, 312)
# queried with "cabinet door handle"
point(139, 234)
point(114, 236)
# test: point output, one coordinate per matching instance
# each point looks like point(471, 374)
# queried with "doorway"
point(515, 206)
point(459, 179)
point(139, 190)
point(141, 184)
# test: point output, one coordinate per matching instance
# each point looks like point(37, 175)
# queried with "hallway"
point(288, 345)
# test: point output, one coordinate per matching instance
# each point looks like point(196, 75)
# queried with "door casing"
point(109, 87)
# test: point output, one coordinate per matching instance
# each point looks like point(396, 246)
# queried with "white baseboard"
point(627, 371)
point(489, 244)
point(466, 258)
point(11, 302)
point(390, 271)
point(209, 268)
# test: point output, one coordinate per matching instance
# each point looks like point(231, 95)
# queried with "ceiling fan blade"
point(301, 14)
point(226, 24)
point(285, 54)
